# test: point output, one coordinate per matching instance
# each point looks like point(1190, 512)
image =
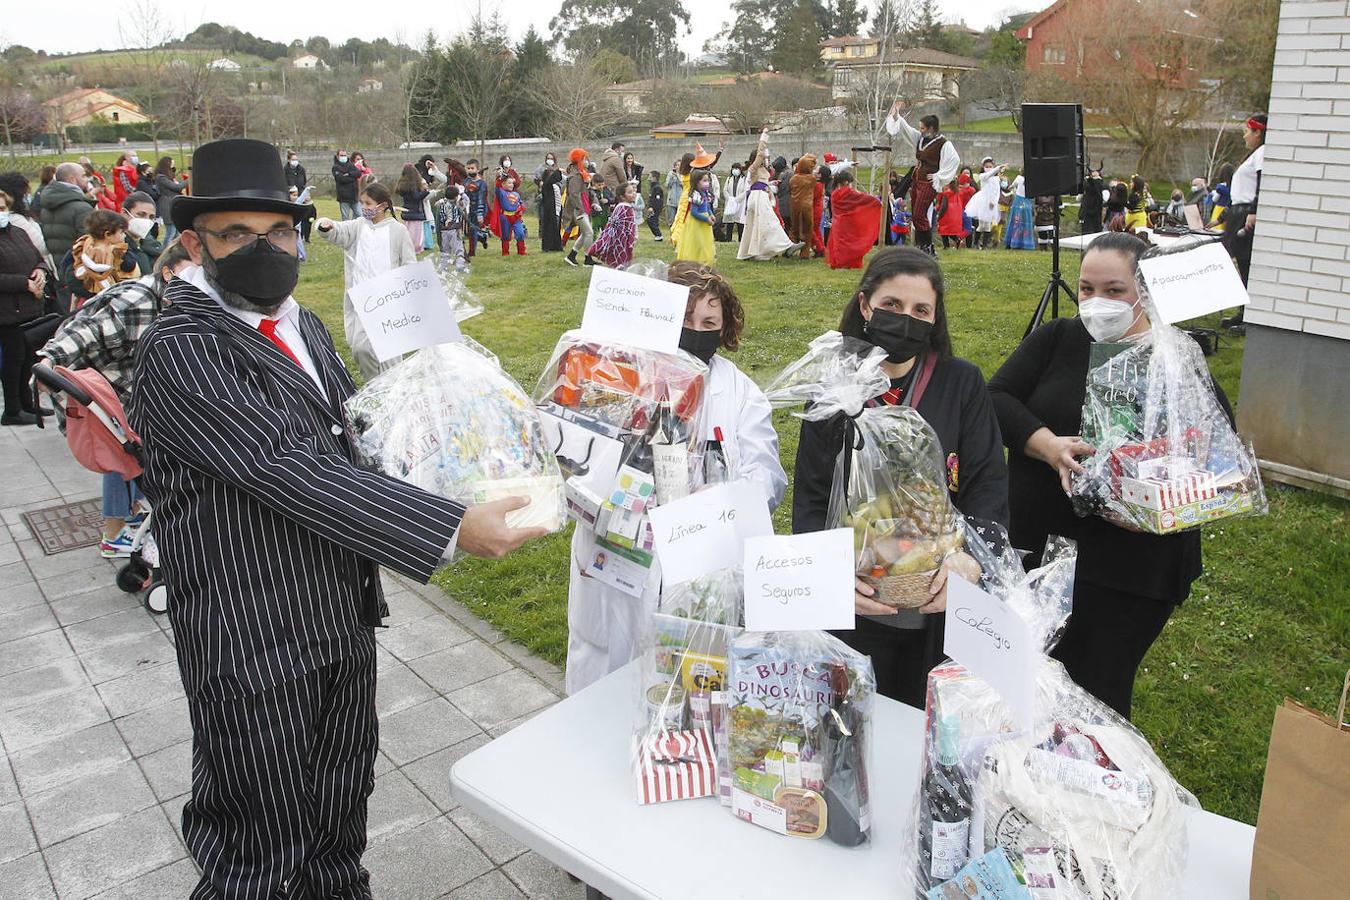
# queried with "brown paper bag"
point(1302, 846)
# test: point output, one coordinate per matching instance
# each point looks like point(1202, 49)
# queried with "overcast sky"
point(84, 25)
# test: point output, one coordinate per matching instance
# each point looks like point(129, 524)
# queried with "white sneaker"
point(117, 548)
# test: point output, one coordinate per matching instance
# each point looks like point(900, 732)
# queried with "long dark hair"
point(885, 265)
point(1130, 245)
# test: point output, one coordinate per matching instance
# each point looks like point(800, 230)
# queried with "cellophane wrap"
point(1167, 456)
point(462, 300)
point(1077, 806)
point(680, 724)
point(450, 421)
point(890, 479)
point(800, 706)
point(626, 424)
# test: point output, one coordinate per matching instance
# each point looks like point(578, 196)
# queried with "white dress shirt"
point(949, 162)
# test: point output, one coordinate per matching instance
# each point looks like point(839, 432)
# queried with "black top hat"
point(236, 174)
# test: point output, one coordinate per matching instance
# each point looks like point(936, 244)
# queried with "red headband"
point(1256, 125)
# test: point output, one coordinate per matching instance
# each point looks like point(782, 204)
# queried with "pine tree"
point(848, 18)
point(797, 49)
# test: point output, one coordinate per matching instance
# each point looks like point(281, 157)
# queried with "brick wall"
point(1301, 262)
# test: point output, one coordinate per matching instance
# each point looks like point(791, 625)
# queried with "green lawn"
point(1270, 618)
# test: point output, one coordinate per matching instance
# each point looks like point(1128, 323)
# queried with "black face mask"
point(700, 344)
point(902, 337)
point(259, 272)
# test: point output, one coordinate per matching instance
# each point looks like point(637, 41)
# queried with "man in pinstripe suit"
point(271, 540)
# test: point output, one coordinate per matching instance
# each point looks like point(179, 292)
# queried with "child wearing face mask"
point(899, 307)
point(1127, 582)
point(605, 625)
point(696, 239)
point(372, 244)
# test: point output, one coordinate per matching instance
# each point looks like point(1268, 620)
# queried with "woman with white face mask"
point(1127, 582)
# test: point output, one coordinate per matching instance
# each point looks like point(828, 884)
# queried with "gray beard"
point(230, 298)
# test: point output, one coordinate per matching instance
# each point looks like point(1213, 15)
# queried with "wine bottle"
point(848, 818)
point(715, 467)
point(944, 816)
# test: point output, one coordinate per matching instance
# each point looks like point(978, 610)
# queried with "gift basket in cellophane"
point(679, 747)
point(626, 424)
point(890, 480)
point(799, 708)
point(452, 277)
point(449, 420)
point(1075, 805)
point(1167, 457)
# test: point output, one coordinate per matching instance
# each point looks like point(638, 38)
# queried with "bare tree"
point(20, 113)
point(579, 108)
point(749, 105)
point(145, 30)
point(475, 74)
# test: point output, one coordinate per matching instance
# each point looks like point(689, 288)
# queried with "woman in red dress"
point(854, 225)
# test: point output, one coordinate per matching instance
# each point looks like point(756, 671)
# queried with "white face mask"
point(294, 163)
point(506, 164)
point(139, 228)
point(1105, 319)
point(134, 159)
point(4, 219)
point(342, 159)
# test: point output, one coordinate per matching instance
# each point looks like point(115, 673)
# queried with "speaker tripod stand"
point(1050, 299)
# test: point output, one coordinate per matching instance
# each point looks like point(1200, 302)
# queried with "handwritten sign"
point(799, 582)
point(404, 309)
point(991, 640)
point(630, 309)
point(704, 532)
point(1193, 282)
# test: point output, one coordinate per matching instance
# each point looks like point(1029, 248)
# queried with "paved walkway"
point(95, 731)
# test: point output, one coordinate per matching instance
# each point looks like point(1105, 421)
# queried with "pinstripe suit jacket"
point(269, 533)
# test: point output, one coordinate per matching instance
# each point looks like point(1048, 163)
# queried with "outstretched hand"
point(483, 530)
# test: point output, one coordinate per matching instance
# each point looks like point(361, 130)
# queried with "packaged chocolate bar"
point(800, 712)
point(1077, 806)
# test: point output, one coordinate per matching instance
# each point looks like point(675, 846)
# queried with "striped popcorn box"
point(675, 765)
point(1163, 494)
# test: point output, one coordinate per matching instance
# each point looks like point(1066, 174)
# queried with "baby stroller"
point(97, 432)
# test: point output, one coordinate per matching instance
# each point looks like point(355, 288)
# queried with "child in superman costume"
point(510, 219)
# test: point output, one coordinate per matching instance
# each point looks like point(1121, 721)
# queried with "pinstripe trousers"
point(280, 781)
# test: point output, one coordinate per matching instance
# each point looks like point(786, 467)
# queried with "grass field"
point(1269, 619)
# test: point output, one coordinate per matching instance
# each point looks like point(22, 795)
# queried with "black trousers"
point(1238, 238)
point(901, 657)
point(16, 369)
point(653, 219)
point(1106, 639)
point(279, 787)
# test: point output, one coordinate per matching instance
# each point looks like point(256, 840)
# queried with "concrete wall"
point(1296, 369)
point(1120, 156)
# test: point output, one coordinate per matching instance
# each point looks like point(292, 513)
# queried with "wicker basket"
point(902, 591)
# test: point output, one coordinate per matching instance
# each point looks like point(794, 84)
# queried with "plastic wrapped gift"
point(452, 276)
point(1078, 806)
point(800, 706)
point(450, 421)
point(683, 689)
point(625, 424)
point(1167, 456)
point(890, 480)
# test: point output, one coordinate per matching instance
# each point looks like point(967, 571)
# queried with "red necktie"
point(269, 328)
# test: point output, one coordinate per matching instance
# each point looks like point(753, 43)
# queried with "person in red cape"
point(504, 170)
point(854, 226)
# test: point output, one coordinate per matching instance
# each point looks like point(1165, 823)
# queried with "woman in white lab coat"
point(372, 245)
point(605, 625)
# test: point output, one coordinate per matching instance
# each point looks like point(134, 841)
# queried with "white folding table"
point(1080, 242)
point(561, 784)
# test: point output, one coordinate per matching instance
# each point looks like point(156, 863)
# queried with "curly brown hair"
point(700, 280)
point(103, 222)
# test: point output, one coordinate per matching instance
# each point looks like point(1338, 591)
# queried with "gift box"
point(675, 765)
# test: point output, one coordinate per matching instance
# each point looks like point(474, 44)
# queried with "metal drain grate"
point(67, 527)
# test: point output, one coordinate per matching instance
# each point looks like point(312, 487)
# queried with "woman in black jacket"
point(550, 205)
point(1127, 582)
point(412, 189)
point(899, 307)
point(22, 282)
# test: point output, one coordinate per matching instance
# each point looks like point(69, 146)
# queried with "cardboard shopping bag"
point(1303, 828)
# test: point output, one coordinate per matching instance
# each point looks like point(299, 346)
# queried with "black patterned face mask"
point(260, 272)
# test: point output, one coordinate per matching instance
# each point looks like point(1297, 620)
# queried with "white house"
point(307, 61)
point(224, 64)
